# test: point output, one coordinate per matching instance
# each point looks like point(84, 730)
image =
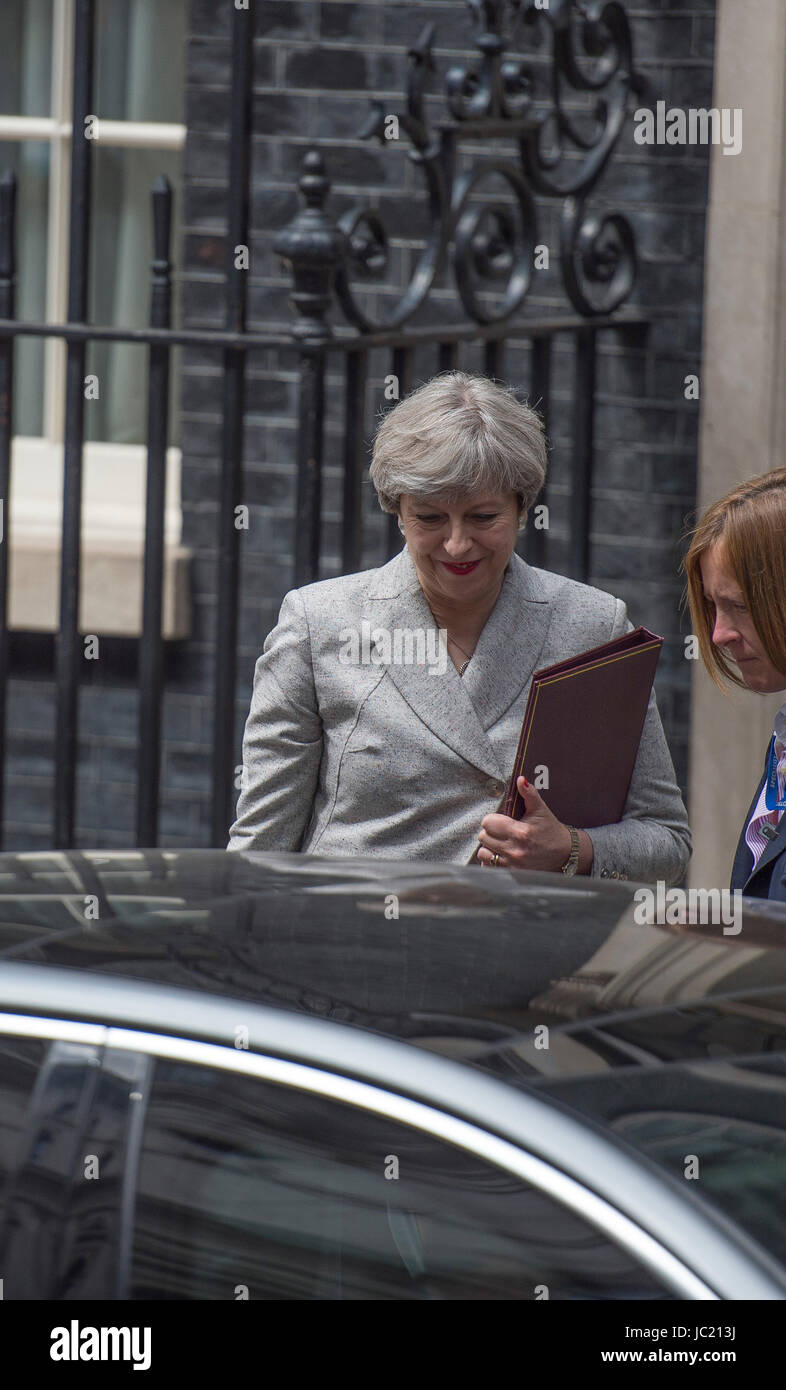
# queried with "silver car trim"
point(503, 1154)
point(94, 1034)
point(720, 1252)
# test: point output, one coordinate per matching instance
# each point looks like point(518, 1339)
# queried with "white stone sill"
point(112, 554)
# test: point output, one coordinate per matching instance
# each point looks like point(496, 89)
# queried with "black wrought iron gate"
point(488, 244)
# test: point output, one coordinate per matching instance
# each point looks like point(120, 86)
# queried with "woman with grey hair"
point(387, 705)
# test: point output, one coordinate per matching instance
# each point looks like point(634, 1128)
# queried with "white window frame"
point(114, 478)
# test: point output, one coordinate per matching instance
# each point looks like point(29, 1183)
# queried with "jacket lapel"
point(741, 868)
point(741, 875)
point(516, 631)
point(774, 849)
point(459, 710)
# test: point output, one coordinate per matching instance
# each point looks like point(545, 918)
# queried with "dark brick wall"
point(315, 67)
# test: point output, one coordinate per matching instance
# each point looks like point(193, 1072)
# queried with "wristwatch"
point(572, 862)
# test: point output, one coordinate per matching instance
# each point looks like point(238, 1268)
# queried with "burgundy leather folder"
point(581, 730)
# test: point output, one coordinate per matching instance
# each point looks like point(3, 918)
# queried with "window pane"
point(247, 1185)
point(121, 254)
point(743, 1164)
point(140, 55)
point(30, 161)
point(26, 58)
point(20, 1059)
point(42, 1094)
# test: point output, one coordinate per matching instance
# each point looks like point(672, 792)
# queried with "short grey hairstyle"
point(457, 435)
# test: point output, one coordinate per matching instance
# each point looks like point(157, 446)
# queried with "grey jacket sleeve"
point(652, 841)
point(282, 743)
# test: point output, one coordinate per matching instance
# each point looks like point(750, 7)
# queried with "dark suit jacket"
point(769, 877)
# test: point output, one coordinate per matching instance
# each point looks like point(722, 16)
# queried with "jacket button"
point(496, 788)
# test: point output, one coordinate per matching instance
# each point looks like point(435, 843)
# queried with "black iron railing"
point(489, 242)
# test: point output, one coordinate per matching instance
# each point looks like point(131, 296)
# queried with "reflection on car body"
point(245, 1076)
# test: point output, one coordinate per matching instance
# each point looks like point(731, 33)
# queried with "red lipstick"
point(466, 568)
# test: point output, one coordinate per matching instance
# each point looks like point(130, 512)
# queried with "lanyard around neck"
point(771, 782)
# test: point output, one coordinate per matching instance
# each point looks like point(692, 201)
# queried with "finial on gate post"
point(312, 247)
point(161, 197)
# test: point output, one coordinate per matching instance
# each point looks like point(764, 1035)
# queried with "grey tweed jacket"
point(342, 756)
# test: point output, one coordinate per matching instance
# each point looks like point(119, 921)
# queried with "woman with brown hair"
point(736, 571)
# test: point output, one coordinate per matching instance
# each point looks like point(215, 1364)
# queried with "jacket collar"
point(742, 875)
point(773, 851)
point(459, 709)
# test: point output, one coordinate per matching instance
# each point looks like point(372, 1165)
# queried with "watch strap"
point(572, 862)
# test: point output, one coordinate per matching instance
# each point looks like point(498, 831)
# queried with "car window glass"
point(47, 1091)
point(20, 1060)
point(738, 1164)
point(249, 1189)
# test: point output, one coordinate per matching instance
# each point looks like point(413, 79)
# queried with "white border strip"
point(93, 1034)
point(142, 135)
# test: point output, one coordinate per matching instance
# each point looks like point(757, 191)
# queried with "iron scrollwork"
point(565, 155)
point(366, 235)
point(494, 88)
point(564, 136)
point(493, 241)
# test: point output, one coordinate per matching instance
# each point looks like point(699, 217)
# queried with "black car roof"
point(465, 961)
